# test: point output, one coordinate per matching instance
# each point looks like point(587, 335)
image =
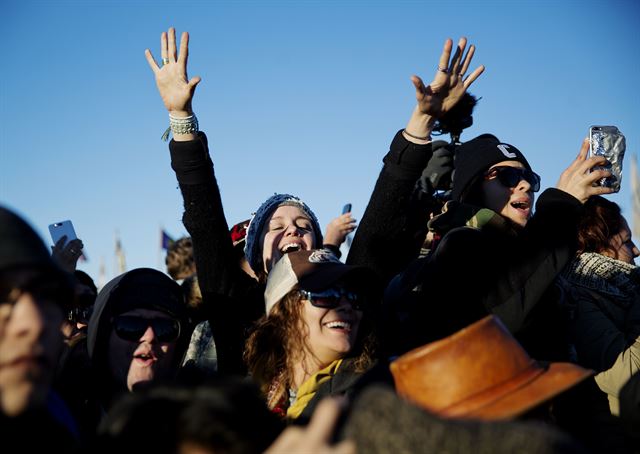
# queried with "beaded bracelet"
point(181, 125)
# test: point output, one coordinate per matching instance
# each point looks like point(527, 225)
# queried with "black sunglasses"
point(80, 314)
point(330, 298)
point(511, 176)
point(132, 328)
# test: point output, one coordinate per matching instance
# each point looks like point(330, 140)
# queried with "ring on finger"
point(443, 70)
point(165, 61)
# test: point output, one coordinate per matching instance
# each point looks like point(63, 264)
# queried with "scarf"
point(307, 390)
point(604, 274)
point(455, 214)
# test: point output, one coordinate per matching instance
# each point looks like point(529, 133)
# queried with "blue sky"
point(298, 97)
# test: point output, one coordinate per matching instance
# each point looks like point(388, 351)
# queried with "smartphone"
point(346, 208)
point(60, 229)
point(609, 142)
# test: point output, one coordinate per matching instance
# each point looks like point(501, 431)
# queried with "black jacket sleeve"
point(231, 298)
point(394, 225)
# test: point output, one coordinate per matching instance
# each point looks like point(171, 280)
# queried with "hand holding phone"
point(609, 142)
point(60, 229)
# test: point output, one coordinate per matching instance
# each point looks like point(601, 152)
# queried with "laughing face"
point(514, 203)
point(144, 359)
point(289, 229)
point(332, 333)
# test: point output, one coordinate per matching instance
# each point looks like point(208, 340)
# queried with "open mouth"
point(291, 247)
point(145, 358)
point(339, 325)
point(521, 205)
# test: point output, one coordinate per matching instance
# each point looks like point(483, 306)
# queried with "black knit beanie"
point(20, 245)
point(476, 156)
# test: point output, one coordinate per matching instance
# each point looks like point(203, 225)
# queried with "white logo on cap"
point(323, 256)
point(503, 148)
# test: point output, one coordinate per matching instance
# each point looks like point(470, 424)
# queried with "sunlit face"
point(145, 359)
point(289, 229)
point(514, 203)
point(30, 343)
point(623, 246)
point(332, 333)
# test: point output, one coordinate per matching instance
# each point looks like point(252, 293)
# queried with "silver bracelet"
point(181, 125)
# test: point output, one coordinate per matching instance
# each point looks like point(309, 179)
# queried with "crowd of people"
point(461, 320)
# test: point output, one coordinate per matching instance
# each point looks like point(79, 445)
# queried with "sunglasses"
point(132, 328)
point(331, 298)
point(80, 314)
point(511, 176)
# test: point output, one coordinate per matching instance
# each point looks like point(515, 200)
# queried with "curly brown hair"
point(277, 341)
point(602, 219)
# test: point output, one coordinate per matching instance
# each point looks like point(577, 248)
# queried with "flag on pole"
point(635, 197)
point(165, 240)
point(121, 264)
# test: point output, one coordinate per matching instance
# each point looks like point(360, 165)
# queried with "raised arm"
point(230, 297)
point(393, 226)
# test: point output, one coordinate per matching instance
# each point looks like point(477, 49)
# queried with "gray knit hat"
point(252, 249)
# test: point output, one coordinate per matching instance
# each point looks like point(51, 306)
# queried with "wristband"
point(181, 125)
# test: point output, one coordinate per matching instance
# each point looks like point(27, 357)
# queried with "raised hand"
point(449, 83)
point(446, 89)
point(338, 229)
point(66, 256)
point(578, 178)
point(175, 88)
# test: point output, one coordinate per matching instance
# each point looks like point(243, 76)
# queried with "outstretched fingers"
point(446, 54)
point(184, 49)
point(473, 76)
point(467, 60)
point(419, 84)
point(455, 61)
point(172, 45)
point(152, 62)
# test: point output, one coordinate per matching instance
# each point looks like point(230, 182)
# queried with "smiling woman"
point(316, 339)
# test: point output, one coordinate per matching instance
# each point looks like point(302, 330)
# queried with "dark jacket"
point(482, 266)
point(231, 299)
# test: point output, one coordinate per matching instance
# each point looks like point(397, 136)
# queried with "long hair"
point(602, 219)
point(279, 342)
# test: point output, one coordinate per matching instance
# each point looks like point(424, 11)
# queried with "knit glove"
point(437, 174)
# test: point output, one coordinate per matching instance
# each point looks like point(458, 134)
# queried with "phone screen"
point(60, 229)
point(346, 208)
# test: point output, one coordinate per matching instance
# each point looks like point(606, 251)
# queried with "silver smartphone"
point(609, 142)
point(60, 229)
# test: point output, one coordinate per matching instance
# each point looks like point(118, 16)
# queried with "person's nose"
point(634, 250)
point(345, 305)
point(149, 335)
point(27, 319)
point(524, 186)
point(292, 230)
